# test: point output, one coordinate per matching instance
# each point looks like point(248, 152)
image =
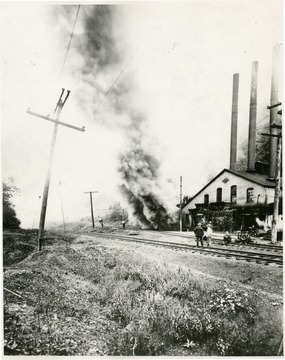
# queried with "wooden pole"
point(277, 190)
point(47, 182)
point(58, 110)
point(180, 203)
point(92, 215)
point(91, 204)
point(277, 182)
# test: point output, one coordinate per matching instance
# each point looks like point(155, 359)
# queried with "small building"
point(233, 200)
point(240, 200)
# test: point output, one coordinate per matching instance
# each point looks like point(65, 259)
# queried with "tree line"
point(10, 220)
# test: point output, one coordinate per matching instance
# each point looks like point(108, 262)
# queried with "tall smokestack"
point(252, 118)
point(233, 155)
point(273, 111)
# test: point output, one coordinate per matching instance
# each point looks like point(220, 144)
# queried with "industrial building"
point(241, 200)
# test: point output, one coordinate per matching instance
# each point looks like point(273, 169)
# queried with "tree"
point(262, 146)
point(10, 220)
point(116, 213)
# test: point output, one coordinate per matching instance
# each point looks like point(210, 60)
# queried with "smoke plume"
point(140, 186)
point(104, 57)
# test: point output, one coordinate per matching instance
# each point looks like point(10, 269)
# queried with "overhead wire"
point(61, 72)
point(104, 96)
point(62, 69)
point(71, 36)
point(114, 83)
point(117, 78)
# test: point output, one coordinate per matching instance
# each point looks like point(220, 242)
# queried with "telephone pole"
point(273, 129)
point(180, 203)
point(56, 122)
point(91, 204)
point(277, 190)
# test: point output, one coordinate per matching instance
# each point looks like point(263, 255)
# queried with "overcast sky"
point(180, 59)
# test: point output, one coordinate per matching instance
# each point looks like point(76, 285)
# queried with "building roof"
point(254, 177)
point(259, 179)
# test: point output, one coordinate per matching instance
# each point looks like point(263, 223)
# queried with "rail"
point(238, 254)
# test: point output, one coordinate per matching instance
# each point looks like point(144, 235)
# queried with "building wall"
point(225, 181)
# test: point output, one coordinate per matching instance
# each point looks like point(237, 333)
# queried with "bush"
point(10, 220)
point(147, 310)
point(167, 309)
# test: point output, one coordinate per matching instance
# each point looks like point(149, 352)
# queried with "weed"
point(137, 308)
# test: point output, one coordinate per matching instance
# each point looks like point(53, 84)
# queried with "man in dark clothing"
point(199, 233)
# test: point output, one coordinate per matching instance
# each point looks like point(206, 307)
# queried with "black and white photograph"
point(141, 162)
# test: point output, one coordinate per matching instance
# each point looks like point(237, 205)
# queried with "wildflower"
point(189, 344)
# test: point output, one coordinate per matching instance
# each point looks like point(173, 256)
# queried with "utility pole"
point(180, 203)
point(277, 190)
point(276, 127)
point(91, 204)
point(56, 122)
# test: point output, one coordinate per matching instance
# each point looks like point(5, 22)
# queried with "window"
point(206, 199)
point(219, 195)
point(249, 195)
point(233, 194)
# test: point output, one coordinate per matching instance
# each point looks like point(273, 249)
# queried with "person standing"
point(101, 222)
point(209, 233)
point(199, 233)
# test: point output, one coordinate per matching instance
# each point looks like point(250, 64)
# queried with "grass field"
point(93, 296)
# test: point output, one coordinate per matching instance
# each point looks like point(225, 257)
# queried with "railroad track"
point(220, 252)
point(274, 248)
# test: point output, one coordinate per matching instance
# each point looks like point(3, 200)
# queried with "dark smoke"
point(139, 172)
point(99, 42)
point(104, 57)
point(137, 205)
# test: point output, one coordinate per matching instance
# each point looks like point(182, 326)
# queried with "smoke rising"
point(99, 42)
point(140, 186)
point(104, 56)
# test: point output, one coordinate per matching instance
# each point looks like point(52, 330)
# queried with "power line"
point(117, 78)
point(67, 50)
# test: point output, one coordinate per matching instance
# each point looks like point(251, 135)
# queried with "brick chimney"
point(252, 119)
point(273, 111)
point(233, 153)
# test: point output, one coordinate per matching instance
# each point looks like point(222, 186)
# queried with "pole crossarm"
point(273, 135)
point(58, 109)
point(274, 106)
point(55, 121)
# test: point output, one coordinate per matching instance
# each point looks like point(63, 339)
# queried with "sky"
point(170, 106)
